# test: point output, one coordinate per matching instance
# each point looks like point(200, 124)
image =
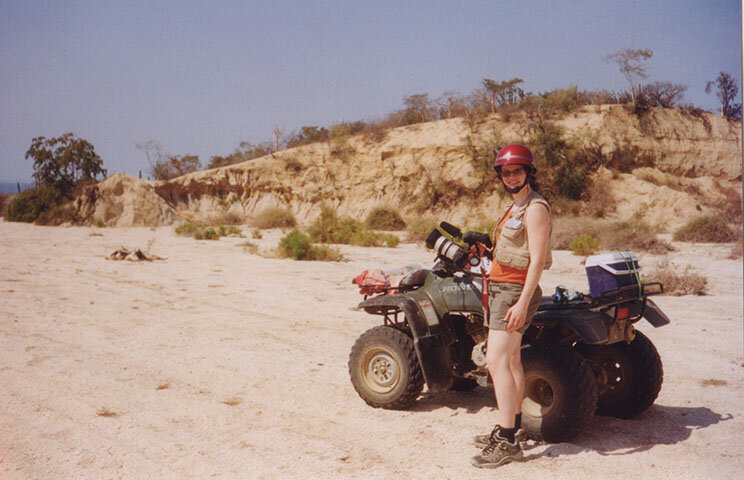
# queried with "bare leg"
point(502, 347)
point(515, 364)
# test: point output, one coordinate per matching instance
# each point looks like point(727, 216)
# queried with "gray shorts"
point(502, 297)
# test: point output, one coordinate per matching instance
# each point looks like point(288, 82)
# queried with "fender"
point(654, 315)
point(586, 324)
point(433, 355)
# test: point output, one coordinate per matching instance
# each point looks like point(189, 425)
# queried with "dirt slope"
point(428, 169)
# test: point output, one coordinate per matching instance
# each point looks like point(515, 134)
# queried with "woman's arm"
point(537, 224)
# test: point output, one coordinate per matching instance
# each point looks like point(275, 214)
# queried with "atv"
point(581, 354)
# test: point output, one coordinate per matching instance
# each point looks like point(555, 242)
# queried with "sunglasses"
point(512, 173)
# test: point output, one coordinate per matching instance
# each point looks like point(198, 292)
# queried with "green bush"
point(584, 245)
point(329, 228)
point(275, 217)
point(298, 246)
point(384, 218)
point(187, 229)
point(707, 228)
point(29, 205)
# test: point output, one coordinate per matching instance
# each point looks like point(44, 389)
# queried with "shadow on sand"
point(659, 425)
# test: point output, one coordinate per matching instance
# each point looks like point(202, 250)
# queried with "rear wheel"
point(629, 375)
point(560, 393)
point(384, 368)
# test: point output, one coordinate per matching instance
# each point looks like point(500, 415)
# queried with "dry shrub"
point(565, 229)
point(384, 218)
point(707, 228)
point(5, 199)
point(275, 217)
point(736, 250)
point(633, 235)
point(678, 281)
point(226, 218)
point(656, 177)
point(730, 208)
point(330, 228)
point(105, 412)
point(601, 201)
point(713, 382)
point(419, 228)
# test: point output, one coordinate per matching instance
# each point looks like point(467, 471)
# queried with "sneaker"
point(497, 453)
point(482, 441)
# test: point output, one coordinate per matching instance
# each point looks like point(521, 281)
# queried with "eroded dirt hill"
point(694, 165)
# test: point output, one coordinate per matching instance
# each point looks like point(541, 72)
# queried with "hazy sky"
point(200, 77)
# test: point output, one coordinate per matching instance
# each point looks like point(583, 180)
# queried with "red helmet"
point(515, 154)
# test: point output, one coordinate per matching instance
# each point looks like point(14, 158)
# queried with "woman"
point(521, 252)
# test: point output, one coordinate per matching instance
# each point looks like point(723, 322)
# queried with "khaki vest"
point(511, 247)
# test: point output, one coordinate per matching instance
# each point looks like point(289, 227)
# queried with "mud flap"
point(435, 362)
point(432, 353)
point(654, 315)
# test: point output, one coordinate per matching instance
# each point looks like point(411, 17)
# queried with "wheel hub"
point(382, 373)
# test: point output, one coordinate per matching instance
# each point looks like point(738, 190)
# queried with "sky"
point(201, 77)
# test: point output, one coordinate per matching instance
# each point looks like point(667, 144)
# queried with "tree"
point(629, 61)
point(64, 162)
point(503, 93)
point(726, 93)
point(418, 108)
point(172, 166)
point(278, 132)
point(662, 94)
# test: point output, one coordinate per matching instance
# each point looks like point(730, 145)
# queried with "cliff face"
point(428, 169)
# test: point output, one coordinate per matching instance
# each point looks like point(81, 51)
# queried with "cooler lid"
point(608, 261)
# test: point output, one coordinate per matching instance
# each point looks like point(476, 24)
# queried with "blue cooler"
point(611, 271)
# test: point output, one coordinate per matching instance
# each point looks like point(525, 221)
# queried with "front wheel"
point(560, 393)
point(629, 375)
point(384, 368)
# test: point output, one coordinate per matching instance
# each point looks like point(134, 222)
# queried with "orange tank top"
point(502, 273)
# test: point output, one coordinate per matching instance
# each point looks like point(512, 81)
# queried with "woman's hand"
point(516, 316)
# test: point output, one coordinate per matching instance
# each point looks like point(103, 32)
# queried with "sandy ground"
point(216, 363)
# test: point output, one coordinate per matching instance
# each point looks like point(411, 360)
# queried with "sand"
point(216, 363)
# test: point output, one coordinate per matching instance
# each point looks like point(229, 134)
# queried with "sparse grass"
point(256, 234)
point(419, 228)
point(329, 228)
point(200, 232)
point(298, 246)
point(713, 382)
point(275, 217)
point(384, 218)
point(678, 281)
point(707, 228)
point(584, 245)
